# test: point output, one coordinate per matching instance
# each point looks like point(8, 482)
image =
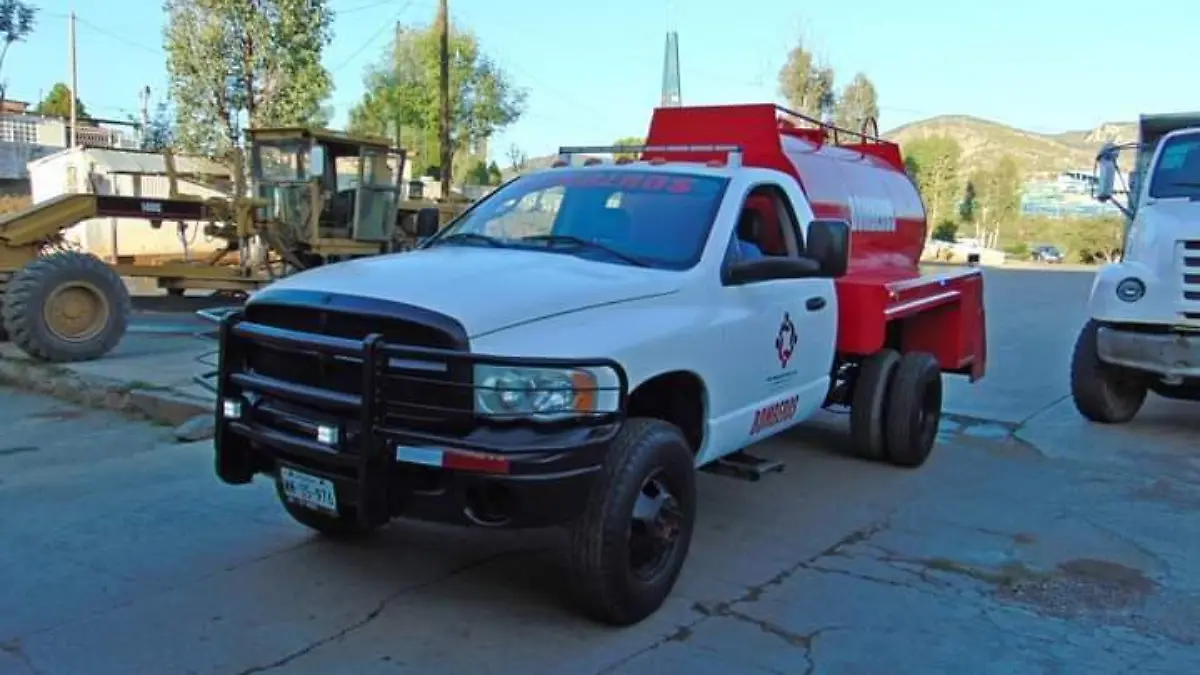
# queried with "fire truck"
point(577, 345)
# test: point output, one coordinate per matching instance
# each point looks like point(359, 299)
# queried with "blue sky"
point(592, 70)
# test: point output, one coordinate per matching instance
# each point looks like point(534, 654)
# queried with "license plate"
point(311, 491)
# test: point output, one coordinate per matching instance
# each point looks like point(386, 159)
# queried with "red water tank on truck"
point(572, 349)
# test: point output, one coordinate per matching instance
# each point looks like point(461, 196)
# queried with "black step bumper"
point(489, 472)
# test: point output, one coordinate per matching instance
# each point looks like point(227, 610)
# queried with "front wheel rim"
point(655, 529)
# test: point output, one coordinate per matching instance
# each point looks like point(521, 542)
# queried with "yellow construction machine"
point(315, 197)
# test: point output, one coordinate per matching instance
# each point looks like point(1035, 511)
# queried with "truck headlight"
point(1131, 289)
point(545, 394)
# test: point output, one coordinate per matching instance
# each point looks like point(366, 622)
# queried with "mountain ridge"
point(984, 141)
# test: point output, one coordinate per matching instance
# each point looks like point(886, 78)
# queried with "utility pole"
point(447, 155)
point(144, 95)
point(74, 78)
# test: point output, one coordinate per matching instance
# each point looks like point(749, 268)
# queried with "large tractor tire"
point(869, 405)
point(1103, 392)
point(914, 409)
point(67, 306)
point(629, 546)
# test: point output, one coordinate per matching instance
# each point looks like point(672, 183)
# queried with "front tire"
point(914, 409)
point(1102, 392)
point(628, 547)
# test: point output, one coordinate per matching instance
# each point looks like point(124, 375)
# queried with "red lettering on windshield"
point(655, 183)
point(621, 180)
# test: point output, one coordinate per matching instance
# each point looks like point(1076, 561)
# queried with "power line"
point(385, 27)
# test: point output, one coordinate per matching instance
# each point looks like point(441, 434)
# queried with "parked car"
point(1047, 254)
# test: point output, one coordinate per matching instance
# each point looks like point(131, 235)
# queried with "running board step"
point(744, 466)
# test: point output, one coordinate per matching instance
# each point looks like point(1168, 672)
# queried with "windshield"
point(644, 218)
point(1177, 173)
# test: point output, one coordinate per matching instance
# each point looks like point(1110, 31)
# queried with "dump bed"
point(854, 176)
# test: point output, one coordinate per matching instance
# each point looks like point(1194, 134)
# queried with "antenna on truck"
point(733, 156)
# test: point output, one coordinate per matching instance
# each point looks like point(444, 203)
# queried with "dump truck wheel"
point(1103, 393)
point(914, 409)
point(65, 307)
point(867, 408)
point(629, 546)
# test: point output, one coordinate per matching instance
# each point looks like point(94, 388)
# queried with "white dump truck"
point(1143, 332)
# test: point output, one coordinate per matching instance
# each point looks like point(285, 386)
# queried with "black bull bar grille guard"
point(375, 412)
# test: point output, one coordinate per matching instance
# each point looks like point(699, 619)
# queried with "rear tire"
point(628, 547)
point(66, 307)
point(867, 408)
point(1102, 392)
point(914, 410)
point(344, 526)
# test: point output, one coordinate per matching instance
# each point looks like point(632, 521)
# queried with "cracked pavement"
point(1038, 544)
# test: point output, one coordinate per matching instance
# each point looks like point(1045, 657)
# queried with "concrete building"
point(25, 137)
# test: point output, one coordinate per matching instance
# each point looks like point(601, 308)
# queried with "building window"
point(18, 131)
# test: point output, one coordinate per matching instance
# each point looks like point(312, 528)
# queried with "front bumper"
point(481, 473)
point(1170, 355)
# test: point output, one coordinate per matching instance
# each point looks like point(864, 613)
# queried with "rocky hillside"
point(984, 141)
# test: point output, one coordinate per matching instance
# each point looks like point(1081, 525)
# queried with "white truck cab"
point(1143, 333)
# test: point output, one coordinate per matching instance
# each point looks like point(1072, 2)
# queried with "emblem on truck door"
point(785, 341)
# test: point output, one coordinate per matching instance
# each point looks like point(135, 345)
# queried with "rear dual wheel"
point(897, 407)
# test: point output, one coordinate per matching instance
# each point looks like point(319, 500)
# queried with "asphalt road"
point(1065, 549)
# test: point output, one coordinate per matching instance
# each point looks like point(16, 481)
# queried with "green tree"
point(234, 63)
point(517, 159)
point(495, 177)
point(966, 208)
point(401, 99)
point(17, 21)
point(998, 195)
point(933, 163)
point(58, 103)
point(158, 133)
point(628, 141)
point(858, 103)
point(947, 230)
point(478, 175)
point(806, 84)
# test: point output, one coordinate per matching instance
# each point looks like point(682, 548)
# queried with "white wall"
point(68, 173)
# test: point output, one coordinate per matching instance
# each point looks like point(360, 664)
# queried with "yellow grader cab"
point(316, 197)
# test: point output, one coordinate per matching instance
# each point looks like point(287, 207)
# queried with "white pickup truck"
point(1143, 334)
point(572, 348)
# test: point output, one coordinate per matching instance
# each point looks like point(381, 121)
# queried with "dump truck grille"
point(433, 395)
point(1189, 264)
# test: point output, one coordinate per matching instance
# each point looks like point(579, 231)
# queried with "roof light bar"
point(734, 152)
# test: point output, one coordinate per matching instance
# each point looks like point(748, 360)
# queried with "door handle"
point(814, 304)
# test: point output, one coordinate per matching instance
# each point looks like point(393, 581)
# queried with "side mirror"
point(770, 269)
point(1106, 173)
point(829, 246)
point(428, 222)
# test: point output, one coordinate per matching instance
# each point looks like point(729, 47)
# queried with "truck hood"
point(485, 289)
point(1158, 226)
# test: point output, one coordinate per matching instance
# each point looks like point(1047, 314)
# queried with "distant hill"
point(984, 141)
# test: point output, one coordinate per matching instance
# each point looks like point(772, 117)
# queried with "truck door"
point(785, 330)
